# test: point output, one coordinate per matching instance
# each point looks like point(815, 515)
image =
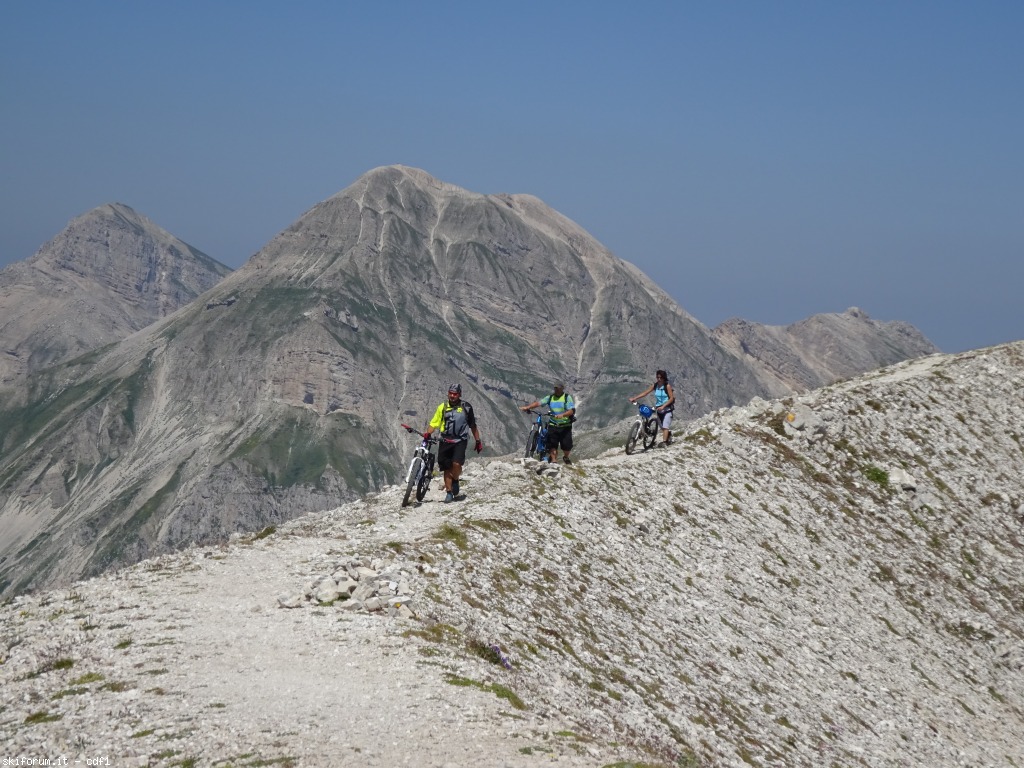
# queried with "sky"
point(762, 160)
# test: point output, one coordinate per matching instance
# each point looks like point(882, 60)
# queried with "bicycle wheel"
point(634, 434)
point(531, 443)
point(650, 432)
point(414, 473)
point(425, 477)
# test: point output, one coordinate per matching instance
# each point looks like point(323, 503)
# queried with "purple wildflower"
point(501, 657)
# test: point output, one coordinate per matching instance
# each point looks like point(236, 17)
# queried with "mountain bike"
point(536, 442)
point(645, 427)
point(421, 468)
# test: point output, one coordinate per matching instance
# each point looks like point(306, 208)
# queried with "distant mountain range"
point(821, 349)
point(156, 412)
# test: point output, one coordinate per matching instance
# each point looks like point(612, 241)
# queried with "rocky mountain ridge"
point(830, 579)
point(820, 349)
point(282, 389)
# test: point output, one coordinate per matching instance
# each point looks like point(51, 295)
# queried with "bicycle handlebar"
point(640, 407)
point(431, 438)
point(410, 430)
point(637, 402)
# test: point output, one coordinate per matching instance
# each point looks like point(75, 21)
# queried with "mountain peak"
point(109, 213)
point(110, 272)
point(399, 176)
point(120, 209)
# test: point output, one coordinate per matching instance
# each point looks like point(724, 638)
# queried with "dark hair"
point(661, 375)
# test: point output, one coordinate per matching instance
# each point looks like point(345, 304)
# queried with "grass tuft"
point(41, 717)
point(498, 690)
point(876, 475)
point(454, 534)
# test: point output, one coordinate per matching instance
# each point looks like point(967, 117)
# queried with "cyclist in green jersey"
point(563, 413)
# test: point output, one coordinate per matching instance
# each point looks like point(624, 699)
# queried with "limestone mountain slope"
point(830, 579)
point(109, 273)
point(820, 349)
point(282, 389)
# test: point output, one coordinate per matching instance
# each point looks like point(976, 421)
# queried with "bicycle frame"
point(421, 467)
point(645, 427)
point(536, 442)
point(422, 453)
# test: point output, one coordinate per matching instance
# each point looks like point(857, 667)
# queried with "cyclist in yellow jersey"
point(456, 420)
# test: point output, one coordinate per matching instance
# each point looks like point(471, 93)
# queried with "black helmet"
point(456, 388)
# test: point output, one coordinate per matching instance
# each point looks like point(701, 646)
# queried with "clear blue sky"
point(766, 160)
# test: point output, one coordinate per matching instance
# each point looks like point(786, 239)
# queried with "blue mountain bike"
point(536, 442)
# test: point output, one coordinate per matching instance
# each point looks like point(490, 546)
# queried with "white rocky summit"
point(828, 580)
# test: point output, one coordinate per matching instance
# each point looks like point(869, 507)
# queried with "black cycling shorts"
point(559, 437)
point(451, 453)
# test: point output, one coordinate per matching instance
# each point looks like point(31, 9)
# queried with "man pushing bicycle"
point(563, 414)
point(455, 419)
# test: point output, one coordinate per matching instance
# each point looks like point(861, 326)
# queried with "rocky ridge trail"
point(188, 658)
point(832, 579)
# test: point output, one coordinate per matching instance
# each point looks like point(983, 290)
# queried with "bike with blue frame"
point(645, 427)
point(536, 441)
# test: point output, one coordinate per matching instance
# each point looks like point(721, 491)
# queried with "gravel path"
point(190, 658)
